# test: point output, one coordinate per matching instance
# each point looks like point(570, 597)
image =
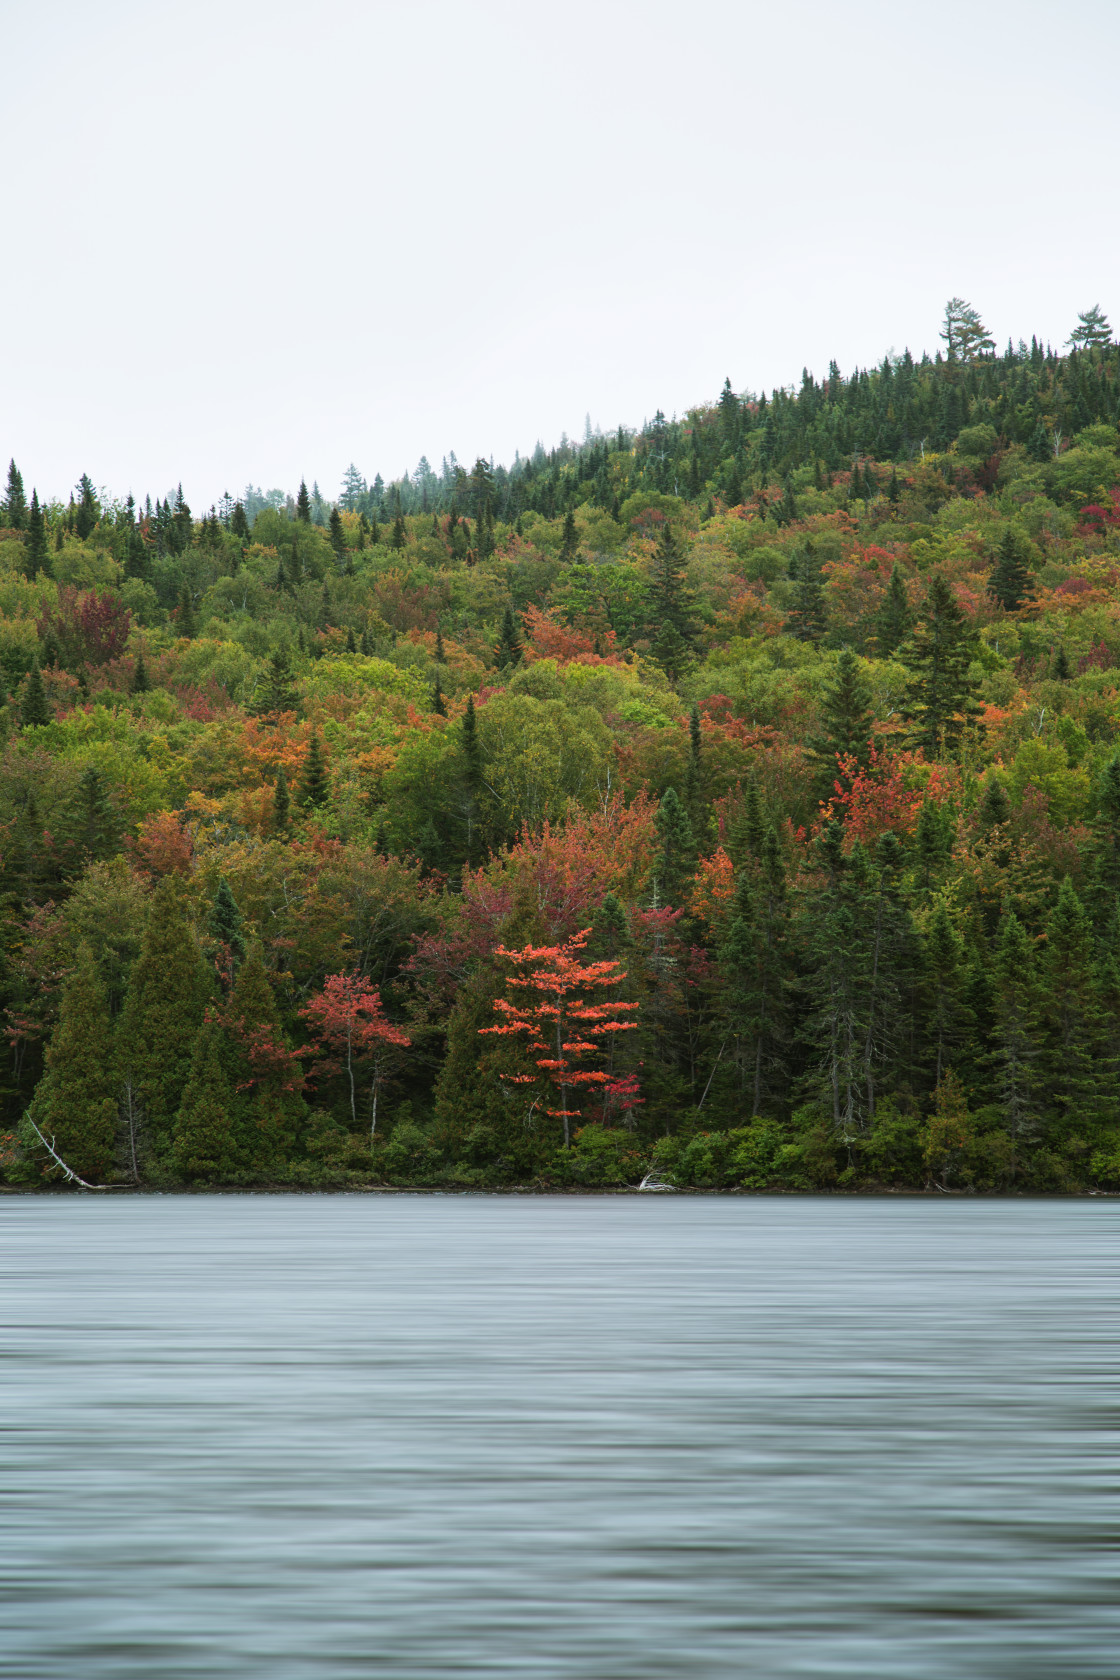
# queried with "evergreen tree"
point(669, 596)
point(894, 494)
point(303, 504)
point(266, 1075)
point(696, 800)
point(1063, 670)
point(994, 808)
point(141, 682)
point(1017, 1004)
point(13, 509)
point(933, 841)
point(185, 620)
point(276, 691)
point(93, 824)
point(946, 1014)
point(508, 652)
point(1079, 1079)
point(671, 651)
point(753, 969)
point(569, 542)
point(167, 989)
point(314, 789)
point(845, 723)
point(676, 863)
point(239, 522)
point(438, 706)
point(1105, 855)
point(940, 699)
point(399, 535)
point(1092, 331)
point(351, 644)
point(807, 619)
point(88, 512)
point(966, 337)
point(226, 926)
point(34, 710)
point(440, 656)
point(36, 558)
point(894, 620)
point(75, 1105)
point(1010, 582)
point(281, 802)
point(205, 1145)
point(337, 534)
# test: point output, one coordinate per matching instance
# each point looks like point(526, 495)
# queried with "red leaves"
point(163, 846)
point(347, 1016)
point(90, 628)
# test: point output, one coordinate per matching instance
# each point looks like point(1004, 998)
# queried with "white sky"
point(253, 240)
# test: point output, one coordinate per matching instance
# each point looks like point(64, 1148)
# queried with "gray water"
point(546, 1436)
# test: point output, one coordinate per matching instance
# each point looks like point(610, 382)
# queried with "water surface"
point(293, 1437)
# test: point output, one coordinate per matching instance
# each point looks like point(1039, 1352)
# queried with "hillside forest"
point(737, 798)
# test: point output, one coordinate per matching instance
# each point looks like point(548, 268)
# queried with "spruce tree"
point(281, 802)
point(1010, 582)
point(894, 494)
point(276, 691)
point(167, 989)
point(206, 1147)
point(946, 1012)
point(226, 926)
point(940, 698)
point(1017, 1004)
point(75, 1105)
point(337, 534)
point(1063, 670)
point(676, 862)
point(141, 682)
point(303, 504)
point(696, 800)
point(894, 620)
point(185, 620)
point(671, 651)
point(36, 558)
point(13, 509)
point(669, 597)
point(239, 522)
point(569, 542)
point(88, 512)
point(92, 823)
point(314, 789)
point(845, 723)
point(1080, 1081)
point(509, 651)
point(807, 618)
point(34, 710)
point(266, 1076)
point(399, 535)
point(438, 705)
point(440, 656)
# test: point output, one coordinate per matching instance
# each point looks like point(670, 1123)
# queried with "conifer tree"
point(1092, 331)
point(669, 596)
point(13, 509)
point(314, 788)
point(441, 658)
point(205, 1147)
point(1080, 1082)
point(696, 800)
point(1017, 1004)
point(34, 710)
point(845, 723)
point(93, 824)
point(141, 682)
point(267, 1075)
point(676, 863)
point(239, 521)
point(162, 1012)
point(569, 542)
point(226, 925)
point(508, 652)
point(940, 699)
point(351, 643)
point(438, 705)
point(399, 535)
point(807, 619)
point(337, 534)
point(946, 1015)
point(894, 620)
point(75, 1105)
point(276, 691)
point(671, 651)
point(303, 504)
point(994, 808)
point(185, 620)
point(1105, 855)
point(1063, 670)
point(87, 512)
point(1010, 582)
point(281, 802)
point(35, 553)
point(894, 494)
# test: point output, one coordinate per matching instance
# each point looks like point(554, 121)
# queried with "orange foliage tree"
point(348, 1019)
point(559, 1020)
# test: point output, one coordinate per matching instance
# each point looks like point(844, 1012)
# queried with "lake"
point(604, 1437)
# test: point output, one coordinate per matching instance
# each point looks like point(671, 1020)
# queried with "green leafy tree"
point(75, 1105)
point(940, 699)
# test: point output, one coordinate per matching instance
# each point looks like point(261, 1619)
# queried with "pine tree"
point(1105, 854)
point(337, 534)
point(239, 522)
point(1079, 1081)
point(75, 1105)
point(267, 1076)
point(399, 535)
point(438, 705)
point(36, 558)
point(1092, 331)
point(676, 863)
point(441, 658)
point(1063, 670)
point(966, 337)
point(276, 691)
point(946, 1013)
point(669, 598)
point(226, 926)
point(569, 542)
point(205, 1144)
point(894, 494)
point(281, 802)
point(13, 509)
point(845, 723)
point(807, 620)
point(351, 643)
point(34, 710)
point(1010, 582)
point(894, 620)
point(508, 652)
point(671, 651)
point(185, 620)
point(314, 788)
point(92, 822)
point(162, 1012)
point(856, 490)
point(696, 802)
point(994, 807)
point(303, 504)
point(88, 512)
point(1017, 1005)
point(141, 682)
point(940, 699)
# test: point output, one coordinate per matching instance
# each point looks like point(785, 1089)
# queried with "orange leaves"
point(714, 891)
point(887, 795)
point(549, 639)
point(163, 846)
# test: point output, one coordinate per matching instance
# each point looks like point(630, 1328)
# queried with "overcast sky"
point(253, 240)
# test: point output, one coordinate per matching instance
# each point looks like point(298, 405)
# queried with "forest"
point(735, 799)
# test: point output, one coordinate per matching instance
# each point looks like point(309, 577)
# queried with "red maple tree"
point(560, 1021)
point(353, 1031)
